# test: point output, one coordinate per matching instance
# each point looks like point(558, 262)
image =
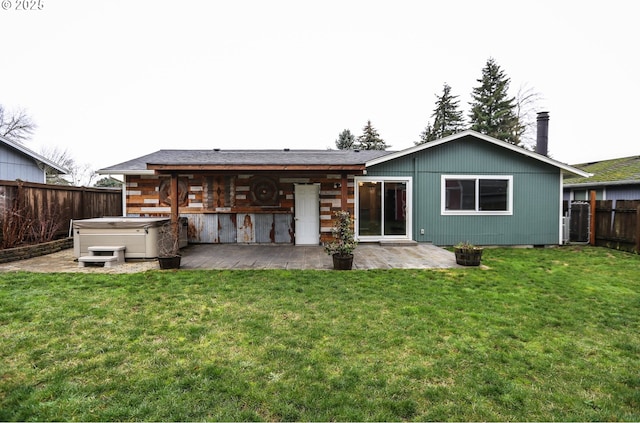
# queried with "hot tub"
point(140, 235)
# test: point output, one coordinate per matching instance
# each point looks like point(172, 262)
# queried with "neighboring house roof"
point(470, 133)
point(33, 155)
point(245, 160)
point(621, 171)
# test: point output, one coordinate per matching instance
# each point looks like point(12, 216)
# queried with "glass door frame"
point(408, 181)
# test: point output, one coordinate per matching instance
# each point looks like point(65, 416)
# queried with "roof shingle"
point(247, 158)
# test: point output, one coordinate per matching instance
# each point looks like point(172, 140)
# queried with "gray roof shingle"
point(247, 157)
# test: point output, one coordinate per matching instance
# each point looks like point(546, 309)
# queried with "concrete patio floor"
point(366, 256)
point(234, 256)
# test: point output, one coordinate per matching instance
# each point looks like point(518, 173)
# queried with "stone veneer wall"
point(36, 250)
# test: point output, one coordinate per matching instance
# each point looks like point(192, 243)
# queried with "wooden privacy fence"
point(56, 203)
point(617, 227)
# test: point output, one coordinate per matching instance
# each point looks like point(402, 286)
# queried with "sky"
point(113, 80)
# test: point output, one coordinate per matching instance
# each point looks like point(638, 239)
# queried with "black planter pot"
point(172, 262)
point(342, 262)
point(468, 256)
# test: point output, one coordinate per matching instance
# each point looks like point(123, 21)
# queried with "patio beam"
point(247, 168)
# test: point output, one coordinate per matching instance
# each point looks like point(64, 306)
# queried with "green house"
point(465, 187)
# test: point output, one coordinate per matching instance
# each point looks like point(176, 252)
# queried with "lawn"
point(540, 334)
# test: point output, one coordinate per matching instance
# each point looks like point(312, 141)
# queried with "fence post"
point(592, 220)
point(638, 230)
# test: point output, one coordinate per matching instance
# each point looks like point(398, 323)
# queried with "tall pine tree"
point(370, 139)
point(447, 118)
point(346, 140)
point(427, 135)
point(492, 110)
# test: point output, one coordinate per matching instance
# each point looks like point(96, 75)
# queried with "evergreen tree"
point(492, 110)
point(427, 135)
point(447, 118)
point(370, 139)
point(346, 140)
point(108, 182)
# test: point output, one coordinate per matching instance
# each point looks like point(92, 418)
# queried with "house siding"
point(220, 207)
point(15, 165)
point(536, 194)
point(623, 192)
point(608, 192)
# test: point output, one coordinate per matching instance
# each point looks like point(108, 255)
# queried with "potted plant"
point(467, 254)
point(169, 256)
point(341, 248)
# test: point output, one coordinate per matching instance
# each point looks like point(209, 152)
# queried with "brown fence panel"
point(62, 203)
point(604, 218)
point(618, 227)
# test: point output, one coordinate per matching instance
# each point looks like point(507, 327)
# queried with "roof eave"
point(605, 183)
point(249, 168)
point(35, 156)
point(125, 172)
point(564, 167)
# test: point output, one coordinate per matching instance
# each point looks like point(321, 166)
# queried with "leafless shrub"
point(44, 228)
point(17, 221)
point(22, 225)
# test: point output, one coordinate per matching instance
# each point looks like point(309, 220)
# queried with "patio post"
point(344, 193)
point(174, 205)
point(592, 221)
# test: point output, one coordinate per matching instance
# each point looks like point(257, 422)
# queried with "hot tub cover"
point(120, 222)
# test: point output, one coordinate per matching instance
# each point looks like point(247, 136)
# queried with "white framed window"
point(383, 208)
point(476, 194)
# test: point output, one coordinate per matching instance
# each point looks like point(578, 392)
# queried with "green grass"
point(542, 334)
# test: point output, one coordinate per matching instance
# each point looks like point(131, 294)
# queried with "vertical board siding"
point(623, 192)
point(16, 165)
point(536, 194)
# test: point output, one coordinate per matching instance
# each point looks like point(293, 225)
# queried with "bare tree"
point(80, 174)
point(527, 104)
point(17, 125)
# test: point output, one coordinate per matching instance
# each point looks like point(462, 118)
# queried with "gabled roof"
point(621, 171)
point(469, 133)
point(301, 160)
point(33, 155)
point(208, 160)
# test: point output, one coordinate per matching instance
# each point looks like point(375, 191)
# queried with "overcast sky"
point(114, 80)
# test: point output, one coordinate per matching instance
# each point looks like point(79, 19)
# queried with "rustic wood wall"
point(239, 193)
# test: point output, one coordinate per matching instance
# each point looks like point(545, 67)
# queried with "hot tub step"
point(108, 250)
point(108, 261)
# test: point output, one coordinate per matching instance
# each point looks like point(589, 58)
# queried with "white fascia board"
point(125, 172)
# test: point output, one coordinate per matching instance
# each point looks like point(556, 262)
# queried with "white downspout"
point(124, 195)
point(560, 211)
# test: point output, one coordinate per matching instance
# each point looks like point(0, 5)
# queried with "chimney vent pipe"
point(542, 136)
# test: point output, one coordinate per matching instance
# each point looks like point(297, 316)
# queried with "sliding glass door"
point(382, 207)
